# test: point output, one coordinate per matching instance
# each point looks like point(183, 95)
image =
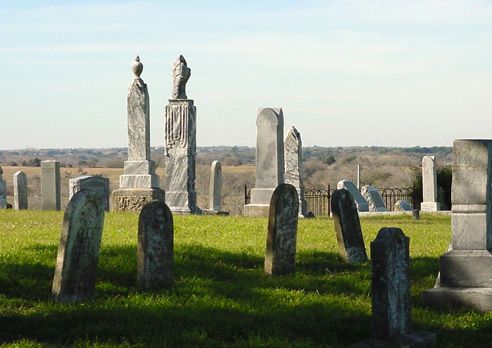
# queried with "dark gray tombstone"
point(391, 323)
point(78, 252)
point(347, 226)
point(282, 231)
point(93, 184)
point(155, 246)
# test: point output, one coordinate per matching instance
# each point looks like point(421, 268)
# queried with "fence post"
point(329, 201)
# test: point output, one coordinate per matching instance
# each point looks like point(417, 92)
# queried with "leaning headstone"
point(429, 184)
point(20, 191)
point(390, 289)
point(180, 145)
point(3, 191)
point(282, 231)
point(92, 184)
point(373, 198)
point(360, 201)
point(465, 271)
point(347, 226)
point(269, 160)
point(402, 205)
point(155, 246)
point(78, 252)
point(139, 183)
point(215, 186)
point(50, 185)
point(293, 166)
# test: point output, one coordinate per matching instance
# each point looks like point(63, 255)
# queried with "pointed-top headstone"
point(3, 191)
point(293, 166)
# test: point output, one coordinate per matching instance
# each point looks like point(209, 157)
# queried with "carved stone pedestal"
point(134, 199)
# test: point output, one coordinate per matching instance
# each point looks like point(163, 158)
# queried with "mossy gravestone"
point(78, 252)
point(155, 246)
point(282, 231)
point(347, 226)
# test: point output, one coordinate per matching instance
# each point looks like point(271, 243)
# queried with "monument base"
point(479, 299)
point(429, 206)
point(256, 210)
point(182, 202)
point(215, 212)
point(134, 199)
point(412, 339)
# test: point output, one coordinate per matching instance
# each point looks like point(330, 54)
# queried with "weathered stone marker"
point(215, 189)
point(3, 191)
point(402, 205)
point(155, 246)
point(282, 231)
point(50, 185)
point(78, 252)
point(347, 226)
point(360, 201)
point(390, 289)
point(429, 184)
point(465, 271)
point(293, 166)
point(93, 184)
point(180, 145)
point(21, 193)
point(373, 198)
point(269, 160)
point(139, 183)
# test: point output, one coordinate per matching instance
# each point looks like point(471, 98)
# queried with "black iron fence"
point(319, 200)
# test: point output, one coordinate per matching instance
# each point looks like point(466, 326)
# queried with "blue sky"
point(389, 73)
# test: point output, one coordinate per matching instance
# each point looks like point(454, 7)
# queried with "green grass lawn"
point(221, 297)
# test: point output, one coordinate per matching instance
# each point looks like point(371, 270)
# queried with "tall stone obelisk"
point(139, 184)
point(180, 149)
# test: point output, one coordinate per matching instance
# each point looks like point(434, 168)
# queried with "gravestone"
point(360, 201)
point(3, 191)
point(402, 205)
point(269, 160)
point(373, 198)
point(139, 183)
point(93, 184)
point(282, 231)
point(180, 145)
point(215, 186)
point(50, 185)
point(429, 184)
point(390, 289)
point(78, 252)
point(155, 246)
point(21, 193)
point(347, 226)
point(293, 166)
point(465, 271)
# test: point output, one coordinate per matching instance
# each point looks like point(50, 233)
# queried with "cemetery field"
point(221, 297)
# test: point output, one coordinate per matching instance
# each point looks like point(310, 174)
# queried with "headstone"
point(3, 191)
point(139, 183)
point(293, 166)
point(429, 184)
point(21, 193)
point(180, 145)
point(347, 226)
point(373, 198)
point(282, 231)
point(358, 177)
point(360, 201)
point(50, 185)
point(215, 189)
point(402, 205)
point(78, 252)
point(269, 160)
point(93, 184)
point(465, 271)
point(155, 246)
point(390, 289)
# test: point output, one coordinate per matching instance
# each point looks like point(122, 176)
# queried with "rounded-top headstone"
point(137, 67)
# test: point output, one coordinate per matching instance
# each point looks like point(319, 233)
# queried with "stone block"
point(256, 210)
point(134, 199)
point(466, 268)
point(50, 185)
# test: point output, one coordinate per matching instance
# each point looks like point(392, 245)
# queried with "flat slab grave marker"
point(282, 231)
point(78, 252)
point(347, 226)
point(373, 198)
point(155, 246)
point(360, 201)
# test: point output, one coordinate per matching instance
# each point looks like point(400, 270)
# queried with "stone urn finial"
point(137, 67)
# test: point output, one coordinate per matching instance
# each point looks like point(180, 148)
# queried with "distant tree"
point(330, 159)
